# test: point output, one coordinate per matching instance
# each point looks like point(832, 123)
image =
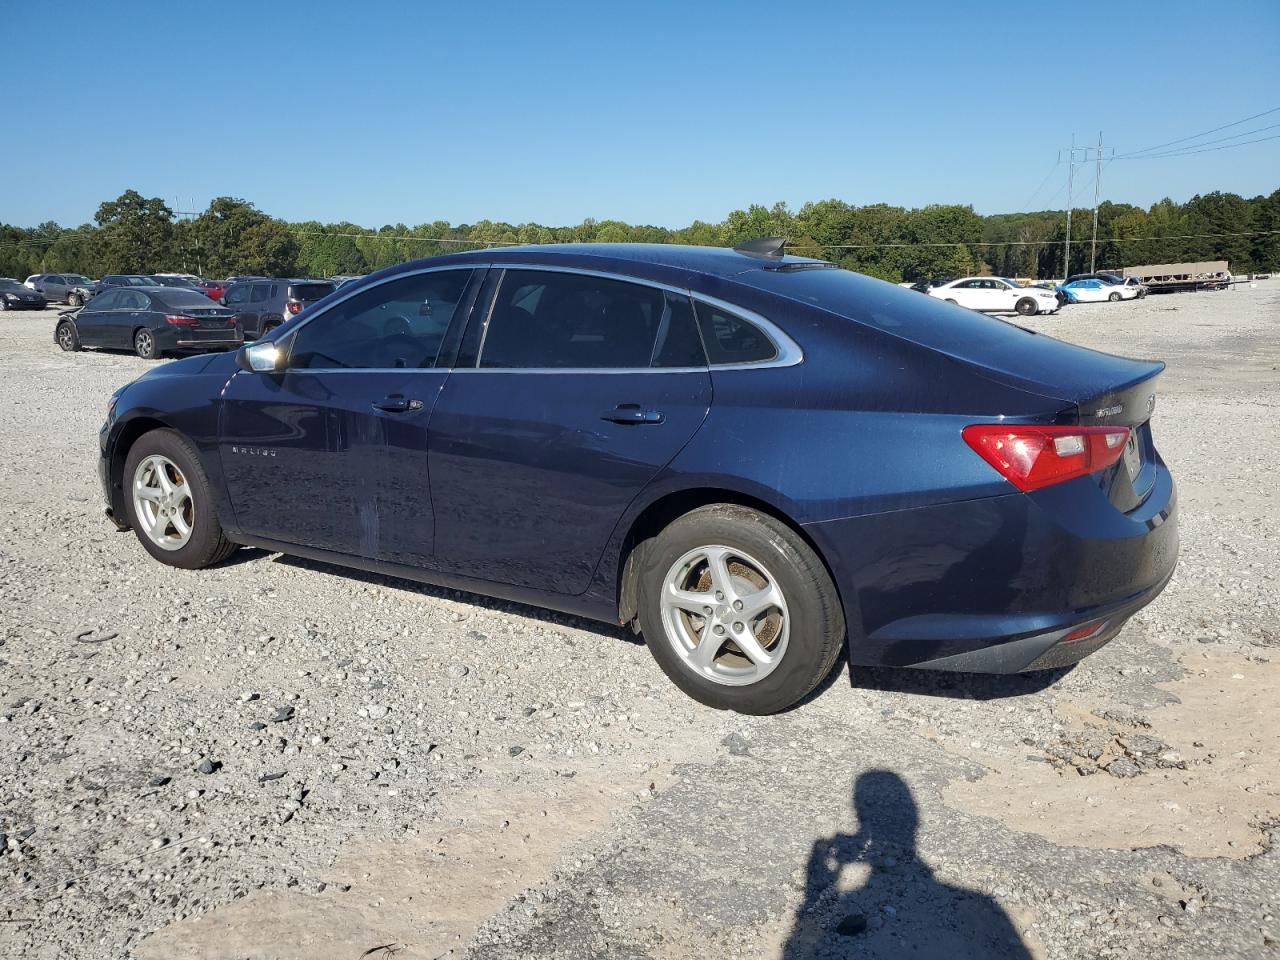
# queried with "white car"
point(996, 295)
point(1094, 291)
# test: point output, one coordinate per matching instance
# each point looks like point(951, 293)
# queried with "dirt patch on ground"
point(417, 898)
point(1201, 774)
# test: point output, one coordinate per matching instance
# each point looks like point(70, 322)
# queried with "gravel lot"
point(281, 759)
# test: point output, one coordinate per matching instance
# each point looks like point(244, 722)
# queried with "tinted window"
point(185, 299)
point(134, 300)
point(730, 339)
point(310, 291)
point(396, 324)
point(259, 292)
point(11, 285)
point(106, 301)
point(237, 294)
point(545, 319)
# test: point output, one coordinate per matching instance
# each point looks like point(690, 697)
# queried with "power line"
point(1041, 187)
point(1197, 136)
point(1187, 153)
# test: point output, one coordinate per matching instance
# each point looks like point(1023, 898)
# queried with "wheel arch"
point(130, 432)
point(655, 516)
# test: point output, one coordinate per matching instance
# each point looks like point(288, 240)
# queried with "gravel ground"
point(278, 758)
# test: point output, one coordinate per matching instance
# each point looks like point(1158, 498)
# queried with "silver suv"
point(72, 288)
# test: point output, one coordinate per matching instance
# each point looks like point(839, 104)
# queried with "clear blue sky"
point(647, 112)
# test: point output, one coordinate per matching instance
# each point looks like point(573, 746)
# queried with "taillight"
point(1031, 457)
point(293, 306)
point(180, 321)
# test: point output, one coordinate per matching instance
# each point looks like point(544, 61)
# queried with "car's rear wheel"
point(144, 344)
point(738, 610)
point(1026, 307)
point(68, 336)
point(169, 503)
point(1114, 298)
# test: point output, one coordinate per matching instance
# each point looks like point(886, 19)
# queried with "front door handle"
point(397, 403)
point(632, 414)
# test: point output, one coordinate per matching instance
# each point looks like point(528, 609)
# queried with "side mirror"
point(260, 358)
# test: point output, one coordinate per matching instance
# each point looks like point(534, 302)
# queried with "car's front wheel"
point(1026, 307)
point(68, 337)
point(144, 344)
point(738, 610)
point(169, 502)
point(1114, 298)
point(75, 299)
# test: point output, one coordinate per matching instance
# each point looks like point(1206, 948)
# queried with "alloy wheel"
point(162, 502)
point(64, 337)
point(725, 615)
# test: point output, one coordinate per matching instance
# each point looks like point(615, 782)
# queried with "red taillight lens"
point(180, 321)
point(1083, 633)
point(1031, 457)
point(293, 307)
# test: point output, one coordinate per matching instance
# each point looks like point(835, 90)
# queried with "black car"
point(16, 296)
point(151, 321)
point(262, 305)
point(121, 280)
point(179, 283)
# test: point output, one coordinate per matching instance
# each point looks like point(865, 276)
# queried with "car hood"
point(199, 365)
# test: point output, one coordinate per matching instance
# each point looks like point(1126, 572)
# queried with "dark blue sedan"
point(758, 460)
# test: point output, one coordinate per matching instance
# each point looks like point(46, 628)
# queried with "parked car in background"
point(60, 286)
point(151, 321)
point(1093, 290)
point(262, 305)
point(189, 277)
point(1052, 288)
point(241, 279)
point(173, 280)
point(974, 497)
point(213, 289)
point(1138, 285)
point(121, 280)
point(1113, 280)
point(18, 296)
point(996, 295)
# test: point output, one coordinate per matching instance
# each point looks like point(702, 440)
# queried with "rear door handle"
point(632, 414)
point(396, 403)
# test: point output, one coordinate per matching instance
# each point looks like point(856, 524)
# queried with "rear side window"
point(310, 291)
point(731, 339)
point(107, 301)
point(549, 319)
point(398, 324)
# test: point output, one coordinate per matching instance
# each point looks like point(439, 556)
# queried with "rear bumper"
point(996, 585)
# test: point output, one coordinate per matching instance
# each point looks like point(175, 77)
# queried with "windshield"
point(75, 278)
point(185, 298)
point(11, 285)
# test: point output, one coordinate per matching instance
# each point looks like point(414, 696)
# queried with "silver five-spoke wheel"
point(162, 502)
point(725, 615)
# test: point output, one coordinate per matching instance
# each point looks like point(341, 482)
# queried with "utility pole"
point(1066, 249)
point(1097, 178)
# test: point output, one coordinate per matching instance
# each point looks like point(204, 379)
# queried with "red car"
point(213, 289)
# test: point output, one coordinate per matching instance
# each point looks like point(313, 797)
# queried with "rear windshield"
point(176, 297)
point(12, 285)
point(310, 291)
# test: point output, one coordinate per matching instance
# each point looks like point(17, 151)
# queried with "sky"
point(656, 113)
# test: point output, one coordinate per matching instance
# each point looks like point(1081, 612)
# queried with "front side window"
point(544, 319)
point(731, 339)
point(259, 293)
point(237, 294)
point(397, 324)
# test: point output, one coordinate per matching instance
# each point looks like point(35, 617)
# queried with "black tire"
point(68, 337)
point(1026, 307)
point(207, 544)
point(816, 620)
point(144, 344)
point(1114, 298)
point(268, 326)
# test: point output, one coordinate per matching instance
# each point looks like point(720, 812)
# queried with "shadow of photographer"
point(900, 909)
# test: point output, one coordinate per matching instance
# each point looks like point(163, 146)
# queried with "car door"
point(236, 298)
point(571, 394)
point(93, 319)
point(131, 313)
point(259, 295)
point(1004, 296)
point(305, 452)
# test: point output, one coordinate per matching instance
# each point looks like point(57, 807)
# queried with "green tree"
point(135, 234)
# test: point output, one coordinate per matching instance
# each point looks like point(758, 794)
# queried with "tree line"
point(136, 234)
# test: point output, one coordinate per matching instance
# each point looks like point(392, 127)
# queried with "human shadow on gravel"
point(462, 596)
point(901, 909)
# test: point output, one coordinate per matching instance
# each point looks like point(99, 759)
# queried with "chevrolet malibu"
point(756, 460)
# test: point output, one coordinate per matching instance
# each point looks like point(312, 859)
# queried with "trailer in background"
point(1182, 277)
